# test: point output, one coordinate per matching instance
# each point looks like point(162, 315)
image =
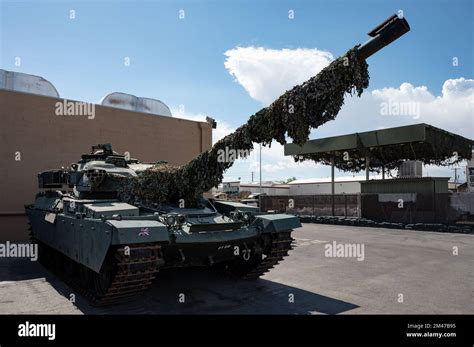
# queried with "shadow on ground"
point(205, 292)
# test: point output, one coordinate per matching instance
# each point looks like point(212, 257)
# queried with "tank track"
point(281, 243)
point(130, 274)
point(135, 273)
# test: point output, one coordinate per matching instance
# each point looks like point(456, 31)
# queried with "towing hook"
point(183, 258)
point(246, 252)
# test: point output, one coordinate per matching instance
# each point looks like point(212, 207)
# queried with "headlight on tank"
point(181, 219)
point(170, 220)
point(235, 215)
point(244, 217)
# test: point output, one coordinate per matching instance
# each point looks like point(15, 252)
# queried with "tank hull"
point(115, 257)
point(87, 241)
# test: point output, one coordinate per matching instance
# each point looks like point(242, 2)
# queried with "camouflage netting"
point(295, 113)
point(442, 149)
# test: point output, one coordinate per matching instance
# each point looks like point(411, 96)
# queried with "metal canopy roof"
point(385, 147)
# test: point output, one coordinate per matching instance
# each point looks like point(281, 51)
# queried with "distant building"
point(269, 188)
point(230, 188)
point(305, 186)
point(470, 174)
point(317, 186)
point(235, 188)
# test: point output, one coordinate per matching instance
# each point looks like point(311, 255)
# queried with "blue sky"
point(181, 61)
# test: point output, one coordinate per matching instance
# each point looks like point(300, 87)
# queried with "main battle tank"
point(109, 249)
point(108, 223)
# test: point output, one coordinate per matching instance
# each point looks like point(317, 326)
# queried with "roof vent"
point(137, 104)
point(411, 168)
point(22, 82)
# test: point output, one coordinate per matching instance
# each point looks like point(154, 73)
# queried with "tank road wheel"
point(45, 256)
point(85, 276)
point(103, 280)
point(70, 268)
point(122, 276)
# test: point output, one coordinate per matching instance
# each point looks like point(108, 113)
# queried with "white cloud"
point(459, 87)
point(453, 110)
point(267, 73)
point(406, 92)
point(222, 129)
point(275, 166)
point(274, 163)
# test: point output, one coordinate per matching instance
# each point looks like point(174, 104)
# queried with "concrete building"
point(318, 186)
point(229, 187)
point(35, 138)
point(470, 174)
point(269, 188)
point(304, 186)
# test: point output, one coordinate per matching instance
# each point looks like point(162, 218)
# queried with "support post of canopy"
point(367, 167)
point(332, 187)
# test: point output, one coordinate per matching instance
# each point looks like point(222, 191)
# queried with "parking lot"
point(400, 271)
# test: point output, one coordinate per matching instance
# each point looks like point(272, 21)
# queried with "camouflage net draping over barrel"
point(295, 113)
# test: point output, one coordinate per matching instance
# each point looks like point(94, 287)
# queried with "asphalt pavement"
point(332, 270)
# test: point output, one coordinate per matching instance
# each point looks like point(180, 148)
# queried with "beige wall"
point(29, 125)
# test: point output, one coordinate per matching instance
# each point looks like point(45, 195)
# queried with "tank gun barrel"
point(300, 109)
point(384, 34)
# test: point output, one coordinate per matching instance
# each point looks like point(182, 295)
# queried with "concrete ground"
point(418, 266)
